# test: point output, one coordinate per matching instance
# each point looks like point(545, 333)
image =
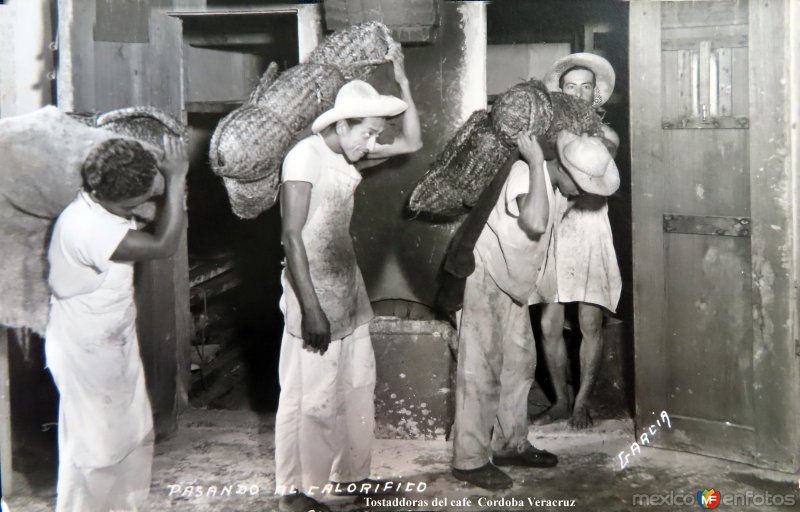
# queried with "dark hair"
point(118, 169)
point(354, 121)
point(575, 68)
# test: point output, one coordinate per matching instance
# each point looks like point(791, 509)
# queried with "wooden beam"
point(6, 468)
point(75, 55)
point(772, 171)
point(309, 29)
point(225, 40)
point(647, 173)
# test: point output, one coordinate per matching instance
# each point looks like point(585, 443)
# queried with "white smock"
point(105, 420)
point(581, 263)
point(324, 426)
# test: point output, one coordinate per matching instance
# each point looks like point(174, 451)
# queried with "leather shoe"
point(301, 503)
point(532, 457)
point(487, 477)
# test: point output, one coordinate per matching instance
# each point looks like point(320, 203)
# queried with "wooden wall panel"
point(709, 341)
point(107, 27)
point(204, 65)
point(713, 13)
point(709, 172)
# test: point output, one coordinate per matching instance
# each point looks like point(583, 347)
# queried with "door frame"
point(775, 229)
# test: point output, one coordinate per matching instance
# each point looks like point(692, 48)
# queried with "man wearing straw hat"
point(325, 419)
point(582, 261)
point(496, 348)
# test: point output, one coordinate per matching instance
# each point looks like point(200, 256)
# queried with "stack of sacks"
point(470, 160)
point(40, 174)
point(249, 144)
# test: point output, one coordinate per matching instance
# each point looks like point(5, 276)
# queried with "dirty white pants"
point(326, 414)
point(121, 487)
point(496, 364)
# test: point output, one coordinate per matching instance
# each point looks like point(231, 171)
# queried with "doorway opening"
point(524, 39)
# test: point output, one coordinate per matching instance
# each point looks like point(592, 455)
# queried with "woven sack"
point(264, 82)
point(355, 50)
point(248, 198)
point(146, 124)
point(525, 107)
point(43, 152)
point(574, 115)
point(249, 144)
point(40, 174)
point(463, 169)
point(301, 94)
point(481, 147)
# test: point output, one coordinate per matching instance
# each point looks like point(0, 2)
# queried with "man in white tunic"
point(105, 436)
point(583, 264)
point(325, 419)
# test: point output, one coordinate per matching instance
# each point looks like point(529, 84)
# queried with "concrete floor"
point(233, 451)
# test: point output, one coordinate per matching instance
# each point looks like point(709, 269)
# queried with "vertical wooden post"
point(773, 210)
point(647, 206)
point(6, 469)
point(75, 55)
point(309, 29)
point(473, 20)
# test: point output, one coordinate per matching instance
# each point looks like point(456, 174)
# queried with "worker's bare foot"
point(556, 412)
point(580, 418)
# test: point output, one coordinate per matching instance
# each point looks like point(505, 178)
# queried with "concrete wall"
point(399, 256)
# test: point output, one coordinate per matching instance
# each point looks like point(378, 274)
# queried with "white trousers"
point(121, 487)
point(326, 414)
point(496, 366)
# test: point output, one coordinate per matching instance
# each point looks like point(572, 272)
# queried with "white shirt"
point(84, 238)
point(326, 236)
point(512, 258)
point(91, 344)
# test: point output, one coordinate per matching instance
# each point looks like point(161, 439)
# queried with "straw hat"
point(359, 99)
point(604, 76)
point(588, 162)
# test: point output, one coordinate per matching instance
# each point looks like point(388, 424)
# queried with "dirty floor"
point(222, 460)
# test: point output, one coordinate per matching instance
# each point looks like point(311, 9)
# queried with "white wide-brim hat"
point(604, 76)
point(588, 162)
point(358, 99)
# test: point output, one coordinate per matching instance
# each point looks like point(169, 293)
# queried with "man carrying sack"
point(325, 419)
point(497, 352)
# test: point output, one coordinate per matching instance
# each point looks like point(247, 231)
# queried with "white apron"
point(105, 419)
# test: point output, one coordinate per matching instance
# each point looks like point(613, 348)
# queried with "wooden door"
point(704, 200)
